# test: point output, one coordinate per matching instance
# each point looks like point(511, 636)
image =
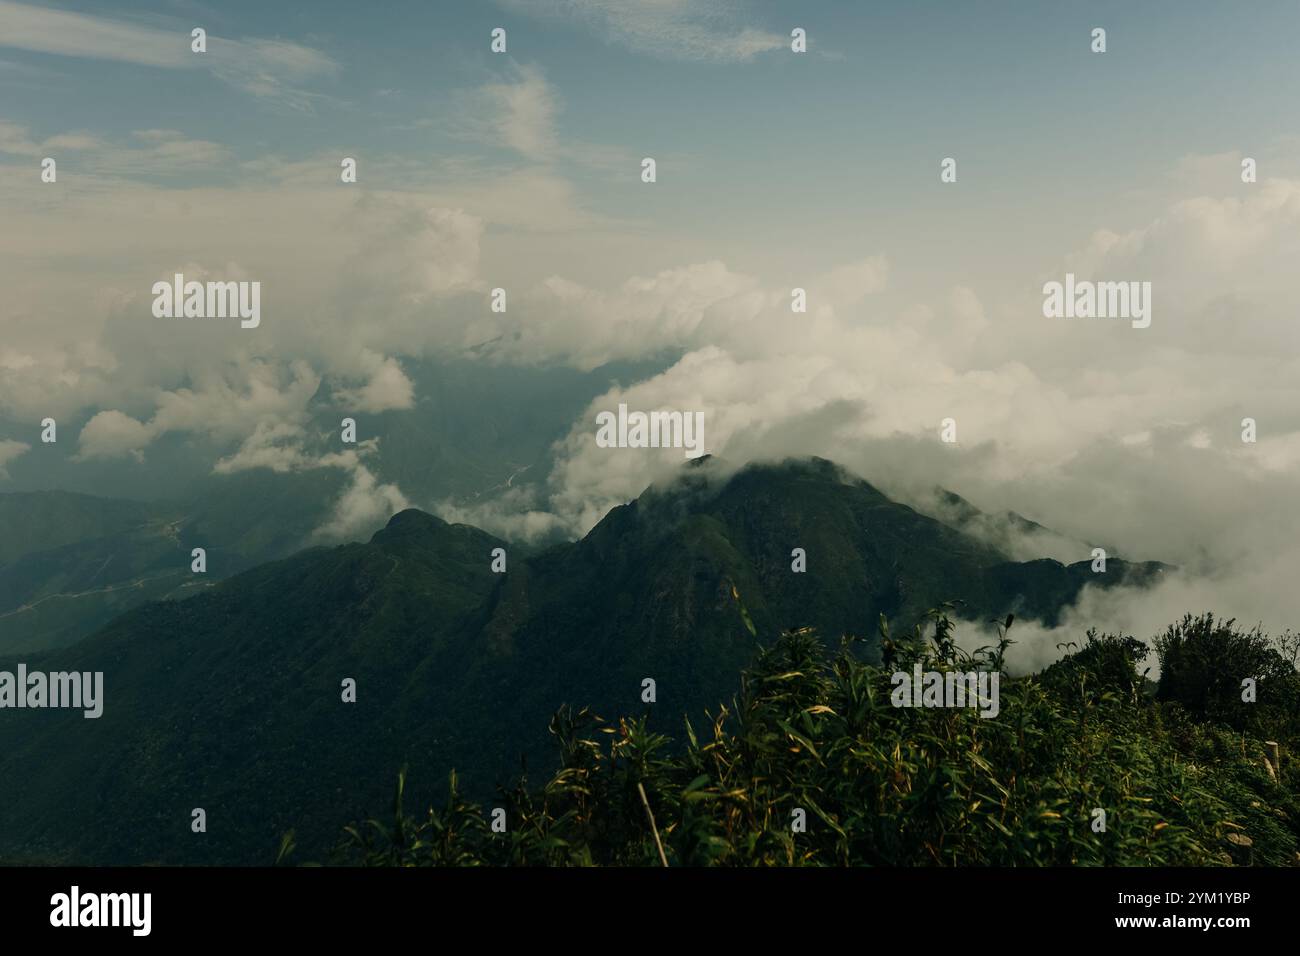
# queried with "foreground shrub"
point(814, 737)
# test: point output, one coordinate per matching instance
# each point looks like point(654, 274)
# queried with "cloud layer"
point(1117, 437)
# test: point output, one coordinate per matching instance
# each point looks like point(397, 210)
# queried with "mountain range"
point(231, 700)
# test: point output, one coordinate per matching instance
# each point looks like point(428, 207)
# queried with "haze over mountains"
point(230, 700)
point(129, 524)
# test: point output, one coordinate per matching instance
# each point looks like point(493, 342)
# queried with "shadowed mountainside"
point(230, 700)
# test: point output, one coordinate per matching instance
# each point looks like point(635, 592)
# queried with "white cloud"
point(524, 113)
point(388, 388)
point(268, 69)
point(512, 515)
point(153, 152)
point(44, 30)
point(520, 113)
point(366, 504)
point(229, 402)
point(113, 434)
point(363, 506)
point(709, 30)
point(276, 446)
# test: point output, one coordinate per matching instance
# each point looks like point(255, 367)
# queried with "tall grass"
point(816, 732)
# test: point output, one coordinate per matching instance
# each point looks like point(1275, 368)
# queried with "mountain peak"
point(409, 521)
point(412, 516)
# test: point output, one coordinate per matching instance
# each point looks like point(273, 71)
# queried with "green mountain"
point(231, 701)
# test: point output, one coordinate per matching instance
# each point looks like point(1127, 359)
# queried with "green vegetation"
point(1179, 781)
point(230, 700)
point(1204, 661)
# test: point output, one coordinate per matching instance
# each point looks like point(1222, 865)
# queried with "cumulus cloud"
point(345, 273)
point(229, 401)
point(387, 388)
point(275, 446)
point(113, 434)
point(364, 505)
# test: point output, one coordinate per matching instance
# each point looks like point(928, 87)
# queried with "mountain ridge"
point(231, 700)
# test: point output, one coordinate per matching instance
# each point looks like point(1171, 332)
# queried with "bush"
point(1106, 664)
point(815, 736)
point(1203, 662)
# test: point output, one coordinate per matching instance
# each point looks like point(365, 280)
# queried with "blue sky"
point(845, 140)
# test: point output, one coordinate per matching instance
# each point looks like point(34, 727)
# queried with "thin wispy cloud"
point(149, 152)
point(518, 113)
point(41, 30)
point(705, 30)
point(521, 113)
point(267, 69)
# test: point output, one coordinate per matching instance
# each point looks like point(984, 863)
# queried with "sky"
point(775, 170)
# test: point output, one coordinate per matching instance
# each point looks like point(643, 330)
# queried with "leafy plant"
point(814, 736)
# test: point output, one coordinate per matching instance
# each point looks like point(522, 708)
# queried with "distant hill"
point(40, 521)
point(71, 563)
point(230, 701)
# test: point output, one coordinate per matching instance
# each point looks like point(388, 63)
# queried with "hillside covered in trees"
point(233, 700)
